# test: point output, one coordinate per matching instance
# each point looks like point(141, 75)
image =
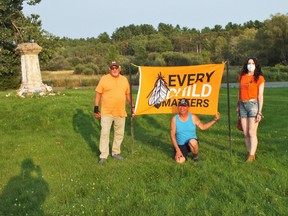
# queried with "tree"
point(104, 38)
point(122, 34)
point(11, 21)
point(159, 43)
point(272, 40)
point(217, 28)
point(112, 53)
point(250, 24)
point(182, 43)
point(219, 46)
point(167, 29)
point(137, 46)
point(245, 45)
point(15, 28)
point(147, 29)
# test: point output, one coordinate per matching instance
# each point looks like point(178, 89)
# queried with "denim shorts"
point(249, 109)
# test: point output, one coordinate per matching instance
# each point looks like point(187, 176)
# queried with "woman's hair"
point(257, 71)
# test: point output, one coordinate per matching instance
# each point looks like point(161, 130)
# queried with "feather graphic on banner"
point(159, 92)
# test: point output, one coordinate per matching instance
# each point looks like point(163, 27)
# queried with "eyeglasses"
point(114, 67)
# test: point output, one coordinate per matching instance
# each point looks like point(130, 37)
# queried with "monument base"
point(42, 89)
point(30, 68)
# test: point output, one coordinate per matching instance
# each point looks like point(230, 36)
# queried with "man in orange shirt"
point(112, 90)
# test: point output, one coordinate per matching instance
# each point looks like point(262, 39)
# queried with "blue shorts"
point(249, 109)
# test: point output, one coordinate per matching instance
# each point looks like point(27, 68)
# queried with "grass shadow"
point(25, 193)
point(145, 132)
point(87, 126)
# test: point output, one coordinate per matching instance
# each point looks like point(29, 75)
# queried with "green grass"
point(49, 154)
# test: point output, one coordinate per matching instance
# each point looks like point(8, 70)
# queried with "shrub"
point(10, 81)
point(9, 69)
point(79, 69)
point(58, 63)
point(176, 59)
point(86, 69)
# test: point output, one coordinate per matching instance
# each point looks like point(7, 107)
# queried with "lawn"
point(49, 155)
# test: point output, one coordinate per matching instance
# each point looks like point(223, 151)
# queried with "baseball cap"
point(114, 63)
point(183, 102)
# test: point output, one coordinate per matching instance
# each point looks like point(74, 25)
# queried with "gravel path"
point(267, 85)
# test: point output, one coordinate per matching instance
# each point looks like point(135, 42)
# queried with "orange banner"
point(161, 88)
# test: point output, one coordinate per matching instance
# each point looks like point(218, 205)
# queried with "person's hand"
point(97, 115)
point(133, 112)
point(178, 155)
point(259, 117)
point(217, 116)
point(237, 109)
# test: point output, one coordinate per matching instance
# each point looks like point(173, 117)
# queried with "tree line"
point(174, 45)
point(165, 45)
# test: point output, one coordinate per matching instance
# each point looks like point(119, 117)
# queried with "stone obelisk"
point(30, 67)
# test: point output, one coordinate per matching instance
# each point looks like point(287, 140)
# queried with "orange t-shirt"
point(249, 88)
point(113, 92)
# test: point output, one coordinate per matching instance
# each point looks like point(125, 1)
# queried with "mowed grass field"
point(49, 154)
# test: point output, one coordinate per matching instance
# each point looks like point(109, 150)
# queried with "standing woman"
point(250, 103)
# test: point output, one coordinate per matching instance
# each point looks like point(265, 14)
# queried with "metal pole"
point(131, 117)
point(228, 105)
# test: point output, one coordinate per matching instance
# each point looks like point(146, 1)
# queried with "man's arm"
point(173, 137)
point(97, 99)
point(202, 126)
point(130, 101)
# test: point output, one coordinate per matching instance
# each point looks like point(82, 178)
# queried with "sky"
point(90, 18)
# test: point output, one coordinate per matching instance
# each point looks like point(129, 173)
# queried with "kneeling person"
point(183, 131)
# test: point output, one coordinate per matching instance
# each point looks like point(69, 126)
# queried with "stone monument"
point(30, 67)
